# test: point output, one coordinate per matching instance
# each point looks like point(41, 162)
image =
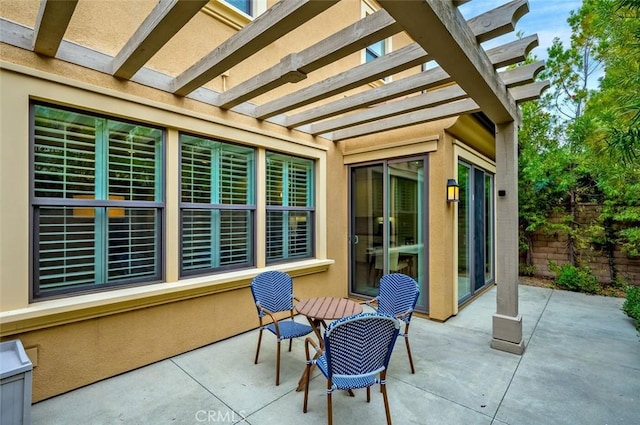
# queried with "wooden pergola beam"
point(489, 24)
point(400, 60)
point(522, 75)
point(465, 106)
point(51, 24)
point(440, 29)
point(277, 21)
point(516, 77)
point(423, 81)
point(507, 54)
point(529, 91)
point(357, 36)
point(413, 103)
point(164, 21)
point(498, 21)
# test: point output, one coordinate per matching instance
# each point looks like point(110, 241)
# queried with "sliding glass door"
point(388, 224)
point(475, 230)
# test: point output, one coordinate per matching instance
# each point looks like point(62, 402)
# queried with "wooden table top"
point(328, 308)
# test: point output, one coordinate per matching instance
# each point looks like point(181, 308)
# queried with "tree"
point(580, 142)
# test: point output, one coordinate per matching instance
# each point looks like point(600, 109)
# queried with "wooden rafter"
point(427, 100)
point(529, 91)
point(164, 21)
point(413, 103)
point(465, 106)
point(495, 24)
point(51, 24)
point(280, 19)
point(400, 60)
point(522, 75)
point(357, 36)
point(439, 28)
point(466, 79)
point(508, 54)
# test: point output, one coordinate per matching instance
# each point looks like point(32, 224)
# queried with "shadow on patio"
point(581, 366)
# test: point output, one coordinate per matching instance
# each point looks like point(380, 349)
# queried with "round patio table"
point(319, 309)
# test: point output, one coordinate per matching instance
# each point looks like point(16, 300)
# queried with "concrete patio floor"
point(581, 366)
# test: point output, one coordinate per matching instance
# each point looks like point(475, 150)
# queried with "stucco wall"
point(77, 340)
point(81, 339)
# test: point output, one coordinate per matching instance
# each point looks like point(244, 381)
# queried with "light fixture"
point(453, 191)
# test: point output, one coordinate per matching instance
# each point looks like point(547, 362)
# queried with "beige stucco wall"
point(77, 340)
point(84, 338)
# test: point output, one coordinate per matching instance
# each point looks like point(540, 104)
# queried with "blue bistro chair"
point(398, 297)
point(273, 293)
point(356, 355)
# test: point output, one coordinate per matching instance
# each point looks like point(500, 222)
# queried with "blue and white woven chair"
point(273, 293)
point(356, 355)
point(398, 297)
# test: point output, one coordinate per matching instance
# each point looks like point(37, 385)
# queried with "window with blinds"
point(97, 202)
point(217, 205)
point(290, 207)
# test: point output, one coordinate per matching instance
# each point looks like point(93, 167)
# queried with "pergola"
point(466, 79)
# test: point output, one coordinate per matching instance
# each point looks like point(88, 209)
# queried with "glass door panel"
point(367, 222)
point(476, 241)
point(464, 222)
point(388, 223)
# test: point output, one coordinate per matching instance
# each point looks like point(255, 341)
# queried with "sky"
point(547, 18)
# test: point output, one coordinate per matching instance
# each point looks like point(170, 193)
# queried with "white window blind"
point(217, 205)
point(97, 201)
point(290, 207)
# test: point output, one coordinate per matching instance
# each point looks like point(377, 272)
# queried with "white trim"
point(460, 150)
point(406, 147)
point(229, 15)
point(46, 314)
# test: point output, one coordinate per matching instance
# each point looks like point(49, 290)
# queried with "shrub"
point(579, 279)
point(527, 269)
point(631, 305)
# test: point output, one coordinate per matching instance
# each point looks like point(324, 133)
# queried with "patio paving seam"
point(535, 327)
point(533, 331)
point(210, 392)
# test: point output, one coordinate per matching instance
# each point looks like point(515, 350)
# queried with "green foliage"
point(527, 269)
point(630, 241)
point(581, 142)
point(631, 306)
point(579, 279)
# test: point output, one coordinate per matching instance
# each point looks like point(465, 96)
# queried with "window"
point(375, 50)
point(245, 6)
point(97, 202)
point(290, 207)
point(217, 205)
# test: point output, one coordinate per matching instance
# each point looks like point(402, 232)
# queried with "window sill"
point(62, 311)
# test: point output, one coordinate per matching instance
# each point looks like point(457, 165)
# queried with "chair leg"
point(329, 406)
point(368, 394)
point(306, 388)
point(383, 388)
point(406, 340)
point(290, 342)
point(258, 348)
point(278, 365)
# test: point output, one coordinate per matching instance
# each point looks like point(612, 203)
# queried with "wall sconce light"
point(453, 191)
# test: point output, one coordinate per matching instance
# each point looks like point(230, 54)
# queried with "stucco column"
point(507, 323)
